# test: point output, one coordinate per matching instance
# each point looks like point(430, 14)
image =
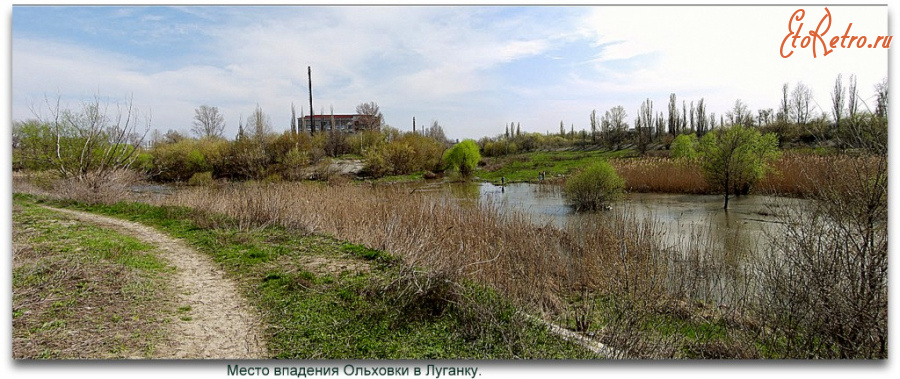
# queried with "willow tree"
point(463, 157)
point(733, 159)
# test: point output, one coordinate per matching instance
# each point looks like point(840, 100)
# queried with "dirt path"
point(222, 325)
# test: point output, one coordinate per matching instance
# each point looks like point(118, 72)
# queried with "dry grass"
point(73, 300)
point(611, 278)
point(537, 266)
point(794, 174)
point(664, 175)
point(798, 174)
point(111, 187)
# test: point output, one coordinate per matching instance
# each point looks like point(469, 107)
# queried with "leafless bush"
point(827, 275)
point(101, 187)
point(827, 269)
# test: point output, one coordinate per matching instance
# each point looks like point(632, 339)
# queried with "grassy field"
point(84, 292)
point(323, 298)
point(527, 166)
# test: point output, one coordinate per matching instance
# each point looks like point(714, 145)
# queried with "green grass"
point(329, 299)
point(80, 291)
point(691, 335)
point(527, 166)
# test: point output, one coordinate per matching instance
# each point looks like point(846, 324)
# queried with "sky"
point(473, 69)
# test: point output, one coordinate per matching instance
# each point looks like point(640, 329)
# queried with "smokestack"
point(312, 113)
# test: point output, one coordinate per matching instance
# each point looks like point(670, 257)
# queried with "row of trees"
point(97, 139)
point(796, 121)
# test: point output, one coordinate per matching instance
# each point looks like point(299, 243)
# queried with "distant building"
point(347, 123)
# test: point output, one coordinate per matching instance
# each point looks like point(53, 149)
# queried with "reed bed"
point(534, 265)
point(794, 174)
point(798, 174)
point(564, 273)
point(665, 175)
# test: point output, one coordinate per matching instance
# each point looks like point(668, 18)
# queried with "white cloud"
point(441, 62)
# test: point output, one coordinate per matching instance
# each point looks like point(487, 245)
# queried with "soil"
point(220, 324)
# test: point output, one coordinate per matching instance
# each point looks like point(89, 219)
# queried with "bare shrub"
point(827, 269)
point(827, 273)
point(97, 188)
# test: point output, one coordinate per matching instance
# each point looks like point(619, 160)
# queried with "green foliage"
point(685, 146)
point(179, 161)
point(74, 151)
point(735, 158)
point(201, 179)
point(594, 187)
point(365, 140)
point(463, 157)
point(248, 159)
point(404, 154)
point(528, 166)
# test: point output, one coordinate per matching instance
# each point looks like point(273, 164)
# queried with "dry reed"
point(665, 175)
point(794, 174)
point(534, 265)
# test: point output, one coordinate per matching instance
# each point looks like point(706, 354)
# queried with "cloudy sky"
point(472, 68)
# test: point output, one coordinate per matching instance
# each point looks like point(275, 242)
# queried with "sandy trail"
point(222, 325)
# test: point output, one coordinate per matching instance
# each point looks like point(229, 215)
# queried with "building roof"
point(328, 116)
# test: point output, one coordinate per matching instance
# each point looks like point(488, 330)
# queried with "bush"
point(201, 179)
point(594, 187)
point(463, 157)
point(404, 154)
point(685, 146)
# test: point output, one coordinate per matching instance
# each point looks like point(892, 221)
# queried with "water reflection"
point(681, 216)
point(709, 248)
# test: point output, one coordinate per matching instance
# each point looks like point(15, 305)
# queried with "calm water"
point(681, 217)
point(710, 248)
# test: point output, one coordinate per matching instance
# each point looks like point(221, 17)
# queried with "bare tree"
point(801, 97)
point(371, 119)
point(765, 116)
point(837, 103)
point(644, 125)
point(259, 124)
point(852, 97)
point(784, 110)
point(436, 131)
point(614, 121)
point(702, 122)
point(293, 120)
point(740, 114)
point(92, 143)
point(673, 116)
point(208, 122)
point(881, 102)
point(616, 117)
point(693, 117)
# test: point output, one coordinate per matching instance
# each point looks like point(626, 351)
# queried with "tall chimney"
point(312, 114)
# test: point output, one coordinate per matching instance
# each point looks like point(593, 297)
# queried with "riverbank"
point(796, 173)
point(607, 279)
point(322, 298)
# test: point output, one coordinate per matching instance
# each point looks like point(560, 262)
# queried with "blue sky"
point(471, 68)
